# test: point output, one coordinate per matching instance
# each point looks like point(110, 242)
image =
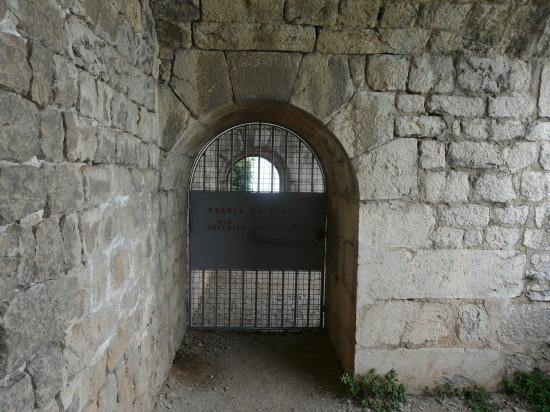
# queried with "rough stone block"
point(241, 11)
point(120, 268)
point(447, 237)
point(81, 138)
point(473, 238)
point(402, 323)
point(119, 345)
point(399, 15)
point(263, 75)
point(40, 315)
point(20, 128)
point(99, 279)
point(535, 186)
point(494, 188)
point(522, 323)
point(15, 72)
point(98, 184)
point(501, 237)
point(132, 118)
point(173, 36)
point(537, 239)
point(71, 240)
point(193, 67)
point(410, 103)
point(46, 370)
point(184, 11)
point(542, 216)
point(476, 155)
point(544, 158)
point(473, 324)
point(467, 215)
point(26, 270)
point(432, 154)
point(520, 156)
point(21, 191)
point(119, 110)
point(49, 250)
point(475, 129)
point(126, 149)
point(444, 15)
point(544, 93)
point(490, 75)
point(364, 123)
point(88, 97)
point(445, 187)
point(422, 126)
point(172, 117)
point(457, 105)
point(65, 87)
point(88, 337)
point(43, 21)
point(106, 146)
point(323, 85)
point(395, 224)
point(403, 41)
point(520, 76)
point(10, 255)
point(63, 186)
point(107, 398)
point(42, 74)
point(418, 368)
point(540, 131)
point(387, 72)
point(439, 274)
point(142, 155)
point(353, 40)
point(52, 135)
point(358, 40)
point(539, 270)
point(248, 36)
point(19, 395)
point(146, 127)
point(447, 42)
point(511, 215)
point(357, 13)
point(518, 106)
point(388, 172)
point(104, 97)
point(318, 13)
point(507, 129)
point(431, 73)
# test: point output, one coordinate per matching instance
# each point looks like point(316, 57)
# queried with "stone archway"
point(343, 202)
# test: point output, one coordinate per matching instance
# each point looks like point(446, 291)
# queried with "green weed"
point(477, 398)
point(532, 387)
point(376, 392)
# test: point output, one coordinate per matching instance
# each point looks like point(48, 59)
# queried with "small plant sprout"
point(376, 392)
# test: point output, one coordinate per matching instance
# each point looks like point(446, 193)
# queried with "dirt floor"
point(268, 372)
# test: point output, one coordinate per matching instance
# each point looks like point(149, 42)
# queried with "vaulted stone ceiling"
point(520, 28)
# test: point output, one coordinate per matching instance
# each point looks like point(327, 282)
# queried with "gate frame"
point(342, 207)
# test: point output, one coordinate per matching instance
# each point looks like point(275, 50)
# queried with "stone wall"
point(443, 110)
point(431, 119)
point(84, 318)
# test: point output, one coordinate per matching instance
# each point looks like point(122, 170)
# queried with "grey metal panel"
point(267, 231)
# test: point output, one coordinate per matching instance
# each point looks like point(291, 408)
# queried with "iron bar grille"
point(257, 157)
point(276, 154)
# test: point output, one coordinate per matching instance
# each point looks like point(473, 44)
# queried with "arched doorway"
point(257, 231)
point(342, 191)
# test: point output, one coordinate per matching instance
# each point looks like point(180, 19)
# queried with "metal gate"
point(257, 232)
